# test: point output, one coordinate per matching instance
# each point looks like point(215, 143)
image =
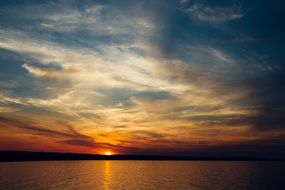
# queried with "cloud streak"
point(214, 14)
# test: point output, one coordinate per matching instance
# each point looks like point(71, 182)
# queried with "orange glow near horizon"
point(108, 153)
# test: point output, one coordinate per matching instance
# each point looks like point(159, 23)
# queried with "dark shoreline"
point(15, 156)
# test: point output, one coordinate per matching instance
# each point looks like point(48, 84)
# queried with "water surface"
point(116, 175)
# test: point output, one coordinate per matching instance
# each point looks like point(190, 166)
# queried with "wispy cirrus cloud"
point(214, 14)
point(27, 125)
point(176, 83)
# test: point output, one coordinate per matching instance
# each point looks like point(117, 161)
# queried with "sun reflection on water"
point(107, 175)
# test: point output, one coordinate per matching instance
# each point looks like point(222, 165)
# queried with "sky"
point(188, 77)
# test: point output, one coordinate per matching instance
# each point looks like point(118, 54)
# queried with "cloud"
point(127, 88)
point(93, 144)
point(142, 133)
point(27, 125)
point(82, 69)
point(78, 142)
point(214, 14)
point(93, 18)
point(133, 74)
point(183, 2)
point(68, 135)
point(85, 65)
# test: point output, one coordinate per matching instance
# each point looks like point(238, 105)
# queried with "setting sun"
point(108, 153)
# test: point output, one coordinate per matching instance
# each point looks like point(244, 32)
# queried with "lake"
point(116, 175)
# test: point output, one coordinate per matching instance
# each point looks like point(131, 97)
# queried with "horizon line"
point(13, 156)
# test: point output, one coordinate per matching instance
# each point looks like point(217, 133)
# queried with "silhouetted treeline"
point(8, 156)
